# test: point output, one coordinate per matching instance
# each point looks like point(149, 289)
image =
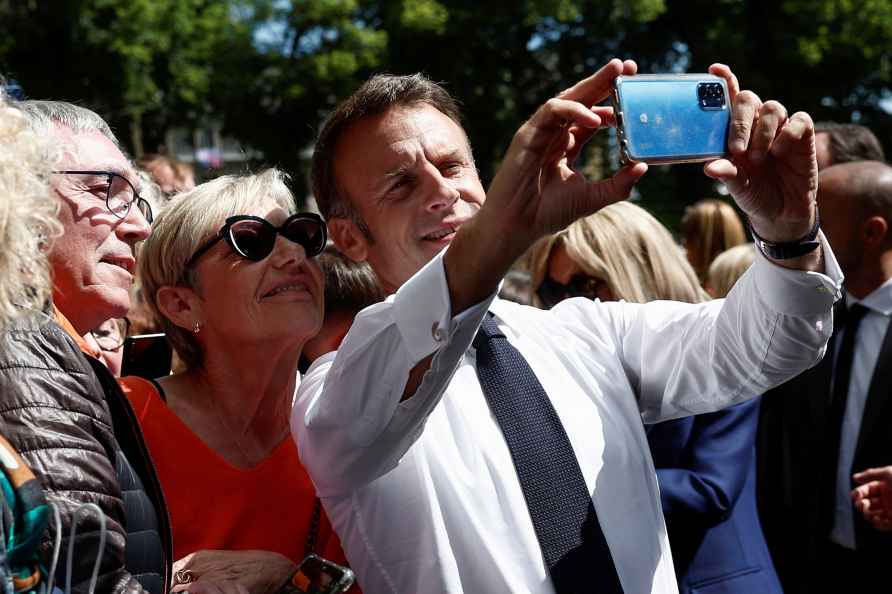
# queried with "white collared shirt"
point(423, 492)
point(868, 342)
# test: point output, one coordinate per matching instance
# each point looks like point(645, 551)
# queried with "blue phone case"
point(672, 118)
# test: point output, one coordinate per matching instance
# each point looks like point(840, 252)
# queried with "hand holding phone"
point(772, 170)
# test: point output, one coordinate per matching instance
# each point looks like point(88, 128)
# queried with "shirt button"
point(438, 333)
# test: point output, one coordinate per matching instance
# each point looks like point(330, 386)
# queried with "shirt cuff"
point(799, 292)
point(423, 311)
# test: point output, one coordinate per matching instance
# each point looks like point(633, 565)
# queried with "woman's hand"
point(234, 572)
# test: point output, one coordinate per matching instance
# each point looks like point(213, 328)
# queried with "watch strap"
point(787, 250)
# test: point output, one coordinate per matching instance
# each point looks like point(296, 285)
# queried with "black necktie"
point(842, 372)
point(557, 498)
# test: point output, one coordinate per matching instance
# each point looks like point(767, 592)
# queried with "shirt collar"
point(878, 300)
point(69, 329)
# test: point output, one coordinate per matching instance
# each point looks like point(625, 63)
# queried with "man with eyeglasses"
point(108, 338)
point(62, 407)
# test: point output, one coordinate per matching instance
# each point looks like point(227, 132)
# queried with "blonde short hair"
point(626, 247)
point(728, 267)
point(709, 227)
point(27, 215)
point(188, 221)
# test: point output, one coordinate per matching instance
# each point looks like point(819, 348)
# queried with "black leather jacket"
point(69, 420)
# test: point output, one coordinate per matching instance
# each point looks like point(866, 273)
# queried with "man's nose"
point(135, 227)
point(441, 194)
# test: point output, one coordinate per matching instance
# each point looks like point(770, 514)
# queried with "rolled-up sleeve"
point(349, 419)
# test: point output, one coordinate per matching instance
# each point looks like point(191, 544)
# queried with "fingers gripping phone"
point(671, 118)
point(146, 355)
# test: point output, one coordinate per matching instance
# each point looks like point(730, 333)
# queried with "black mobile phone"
point(671, 118)
point(147, 355)
point(316, 575)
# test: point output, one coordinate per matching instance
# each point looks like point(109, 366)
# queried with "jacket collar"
point(85, 347)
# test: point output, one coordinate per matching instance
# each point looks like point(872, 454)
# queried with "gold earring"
point(196, 327)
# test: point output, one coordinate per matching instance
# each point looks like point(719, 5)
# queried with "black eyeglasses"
point(111, 334)
point(551, 292)
point(253, 238)
point(119, 192)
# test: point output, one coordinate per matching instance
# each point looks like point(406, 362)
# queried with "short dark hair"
point(851, 142)
point(866, 187)
point(377, 95)
point(350, 286)
point(870, 187)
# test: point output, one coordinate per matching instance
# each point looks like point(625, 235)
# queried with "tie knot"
point(854, 314)
point(488, 330)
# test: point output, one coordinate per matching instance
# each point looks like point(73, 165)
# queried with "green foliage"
point(562, 11)
point(640, 12)
point(269, 70)
point(424, 16)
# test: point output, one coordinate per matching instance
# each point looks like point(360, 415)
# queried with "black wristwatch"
point(787, 250)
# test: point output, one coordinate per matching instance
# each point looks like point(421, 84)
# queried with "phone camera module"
point(710, 95)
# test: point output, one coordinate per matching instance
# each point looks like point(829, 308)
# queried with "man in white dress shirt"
point(408, 458)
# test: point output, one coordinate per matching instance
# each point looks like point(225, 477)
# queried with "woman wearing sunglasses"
point(705, 464)
point(230, 272)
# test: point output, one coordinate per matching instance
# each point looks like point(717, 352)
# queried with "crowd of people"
point(435, 387)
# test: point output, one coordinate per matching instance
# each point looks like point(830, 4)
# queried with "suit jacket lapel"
point(878, 394)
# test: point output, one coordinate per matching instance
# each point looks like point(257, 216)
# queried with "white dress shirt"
point(868, 341)
point(423, 492)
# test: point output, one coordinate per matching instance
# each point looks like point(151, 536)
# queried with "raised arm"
point(354, 418)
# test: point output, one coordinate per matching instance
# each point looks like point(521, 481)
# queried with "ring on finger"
point(183, 576)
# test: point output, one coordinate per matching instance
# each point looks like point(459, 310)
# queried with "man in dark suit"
point(826, 432)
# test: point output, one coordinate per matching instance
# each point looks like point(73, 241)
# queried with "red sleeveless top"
point(214, 505)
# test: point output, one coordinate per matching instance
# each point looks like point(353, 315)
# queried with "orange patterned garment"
point(214, 505)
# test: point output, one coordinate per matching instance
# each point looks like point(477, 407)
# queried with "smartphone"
point(671, 118)
point(146, 355)
point(316, 575)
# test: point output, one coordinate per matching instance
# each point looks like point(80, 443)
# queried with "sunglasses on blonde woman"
point(551, 292)
point(253, 238)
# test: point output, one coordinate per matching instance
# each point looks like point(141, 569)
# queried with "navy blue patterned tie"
point(557, 498)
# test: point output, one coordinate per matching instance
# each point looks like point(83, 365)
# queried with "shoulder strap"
point(313, 532)
point(140, 392)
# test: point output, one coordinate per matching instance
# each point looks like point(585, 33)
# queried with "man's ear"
point(349, 238)
point(875, 232)
point(180, 305)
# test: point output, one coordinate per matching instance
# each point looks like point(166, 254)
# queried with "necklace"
point(251, 455)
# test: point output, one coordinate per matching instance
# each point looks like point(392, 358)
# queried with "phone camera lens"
point(710, 95)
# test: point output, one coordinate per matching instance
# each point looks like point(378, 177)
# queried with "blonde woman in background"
point(705, 464)
point(708, 228)
point(621, 252)
point(727, 268)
